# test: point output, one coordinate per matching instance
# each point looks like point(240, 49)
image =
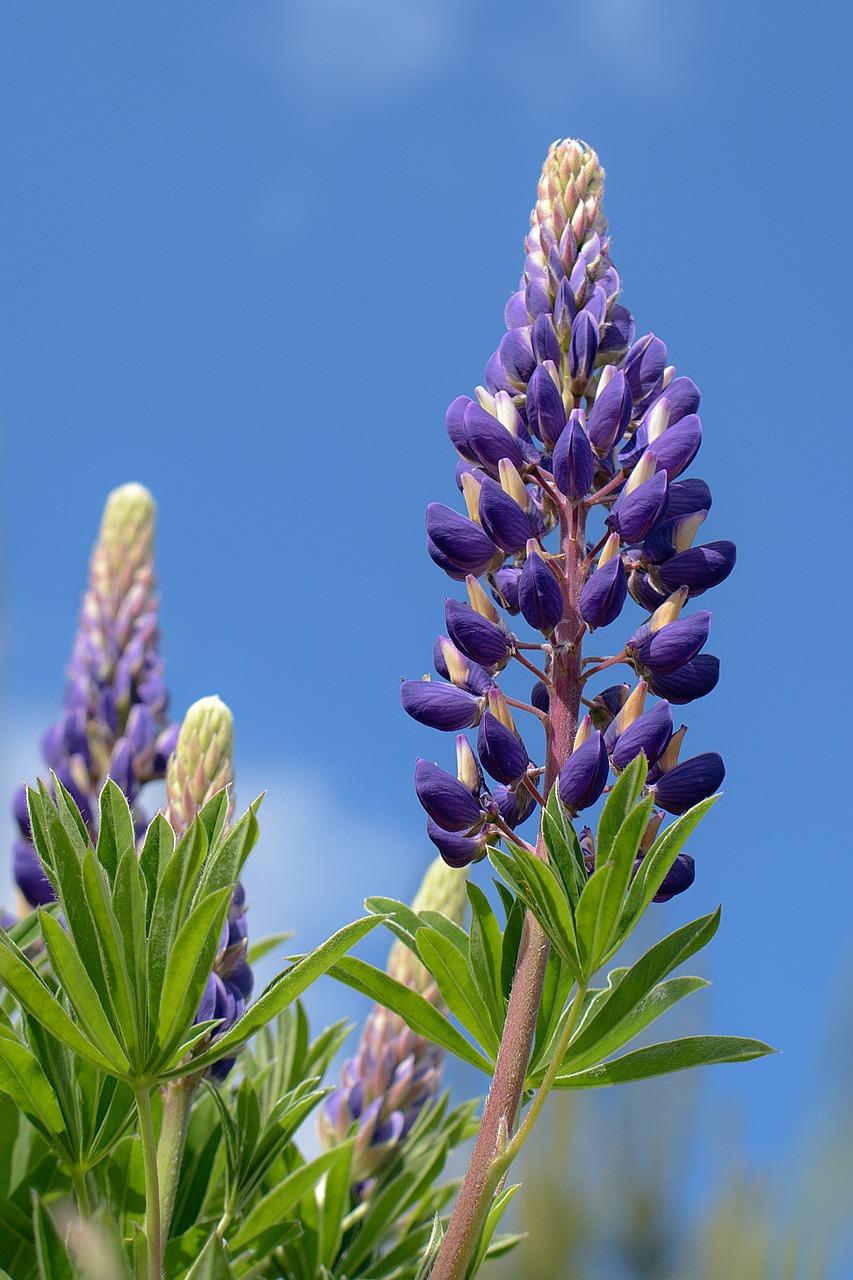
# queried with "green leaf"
point(227, 859)
point(82, 996)
point(157, 850)
point(450, 970)
point(115, 828)
point(263, 946)
point(280, 1201)
point(129, 907)
point(121, 990)
point(53, 1260)
point(564, 851)
point(32, 994)
point(214, 814)
point(416, 1012)
point(556, 986)
point(484, 955)
point(539, 887)
point(281, 992)
point(609, 1015)
point(618, 805)
point(334, 1207)
point(22, 1077)
point(170, 902)
point(662, 1059)
point(601, 900)
point(212, 1263)
point(496, 1212)
point(647, 1010)
point(190, 962)
point(657, 863)
point(510, 945)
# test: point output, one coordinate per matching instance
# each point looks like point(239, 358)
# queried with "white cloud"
point(329, 48)
point(650, 44)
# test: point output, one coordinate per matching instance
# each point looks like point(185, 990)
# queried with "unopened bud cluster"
point(201, 765)
point(114, 723)
point(395, 1073)
point(578, 419)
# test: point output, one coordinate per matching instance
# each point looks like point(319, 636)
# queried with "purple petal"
point(648, 734)
point(698, 568)
point(502, 518)
point(441, 706)
point(673, 645)
point(610, 414)
point(539, 594)
point(445, 799)
point(459, 539)
point(689, 782)
point(584, 775)
point(604, 594)
point(574, 464)
point(688, 682)
point(476, 636)
point(501, 753)
point(636, 513)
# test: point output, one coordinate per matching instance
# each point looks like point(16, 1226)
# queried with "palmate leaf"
point(484, 955)
point(278, 1203)
point(601, 901)
point(416, 1012)
point(662, 1059)
point(453, 977)
point(564, 850)
point(281, 992)
point(24, 1080)
point(541, 890)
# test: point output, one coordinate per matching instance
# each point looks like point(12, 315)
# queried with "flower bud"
point(698, 568)
point(445, 799)
point(501, 751)
point(605, 706)
point(539, 594)
point(455, 423)
point(574, 464)
point(677, 447)
point(611, 412)
point(638, 511)
point(604, 594)
point(441, 706)
point(673, 645)
point(545, 411)
point(643, 367)
point(680, 876)
point(689, 782)
point(516, 351)
point(476, 636)
point(458, 669)
point(692, 680)
point(456, 849)
point(505, 589)
point(583, 349)
point(648, 734)
point(544, 338)
point(584, 775)
point(515, 804)
point(539, 696)
point(502, 518)
point(459, 539)
point(489, 440)
point(687, 496)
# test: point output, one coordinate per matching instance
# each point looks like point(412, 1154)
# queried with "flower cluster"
point(114, 723)
point(578, 419)
point(395, 1072)
point(202, 764)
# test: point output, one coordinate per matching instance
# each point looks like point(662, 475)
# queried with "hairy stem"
point(153, 1234)
point(177, 1104)
point(488, 1163)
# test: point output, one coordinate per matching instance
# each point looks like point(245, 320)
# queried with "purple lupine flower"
point(395, 1073)
point(115, 718)
point(584, 775)
point(539, 595)
point(580, 425)
point(450, 663)
point(441, 706)
point(448, 802)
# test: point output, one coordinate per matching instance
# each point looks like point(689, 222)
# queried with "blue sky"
point(250, 252)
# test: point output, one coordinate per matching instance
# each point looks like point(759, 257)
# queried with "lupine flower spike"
point(202, 764)
point(114, 724)
point(395, 1073)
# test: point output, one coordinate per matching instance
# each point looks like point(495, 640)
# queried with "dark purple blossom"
point(539, 595)
point(476, 636)
point(604, 594)
point(584, 775)
point(689, 782)
point(441, 706)
point(648, 734)
point(502, 753)
point(574, 464)
point(447, 801)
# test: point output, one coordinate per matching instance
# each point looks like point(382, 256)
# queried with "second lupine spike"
point(579, 420)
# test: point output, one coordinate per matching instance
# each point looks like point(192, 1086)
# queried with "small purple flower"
point(610, 414)
point(544, 338)
point(505, 589)
point(648, 734)
point(516, 351)
point(637, 512)
point(441, 706)
point(680, 876)
point(674, 644)
point(539, 595)
point(455, 422)
point(502, 518)
point(583, 348)
point(677, 447)
point(489, 440)
point(643, 366)
point(545, 412)
point(456, 849)
point(476, 636)
point(689, 782)
point(698, 568)
point(584, 775)
point(450, 804)
point(463, 542)
point(453, 665)
point(687, 496)
point(574, 463)
point(502, 754)
point(539, 696)
point(515, 804)
point(604, 594)
point(693, 680)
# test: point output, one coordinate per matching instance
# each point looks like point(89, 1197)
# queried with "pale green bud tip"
point(202, 762)
point(129, 516)
point(570, 190)
point(442, 889)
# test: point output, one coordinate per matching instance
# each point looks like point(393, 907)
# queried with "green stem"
point(153, 1234)
point(523, 1131)
point(177, 1104)
point(81, 1192)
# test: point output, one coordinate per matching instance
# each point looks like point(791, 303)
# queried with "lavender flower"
point(579, 421)
point(114, 723)
point(201, 765)
point(395, 1074)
